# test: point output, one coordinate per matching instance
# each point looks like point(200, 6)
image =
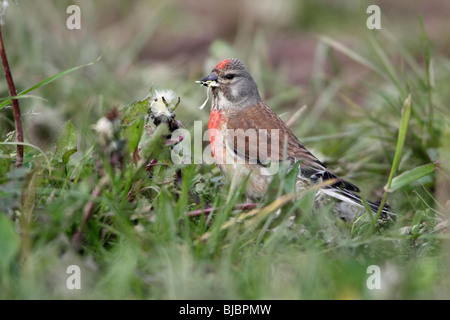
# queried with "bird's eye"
point(229, 76)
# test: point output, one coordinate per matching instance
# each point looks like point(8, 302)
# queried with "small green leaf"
point(133, 133)
point(411, 176)
point(135, 110)
point(66, 144)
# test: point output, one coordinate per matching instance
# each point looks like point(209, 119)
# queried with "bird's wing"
point(258, 135)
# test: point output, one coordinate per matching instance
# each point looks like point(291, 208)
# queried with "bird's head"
point(232, 85)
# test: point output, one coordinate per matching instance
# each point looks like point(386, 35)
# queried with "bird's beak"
point(209, 81)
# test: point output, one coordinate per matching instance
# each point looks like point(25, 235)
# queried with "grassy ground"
point(138, 241)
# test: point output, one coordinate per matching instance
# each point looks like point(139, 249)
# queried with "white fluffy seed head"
point(163, 107)
point(106, 130)
point(3, 5)
point(104, 127)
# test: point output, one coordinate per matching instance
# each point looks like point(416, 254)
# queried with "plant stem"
point(406, 113)
point(15, 103)
point(207, 211)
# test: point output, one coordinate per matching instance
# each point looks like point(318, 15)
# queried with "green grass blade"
point(412, 175)
point(49, 80)
point(25, 96)
point(351, 54)
point(406, 113)
point(388, 67)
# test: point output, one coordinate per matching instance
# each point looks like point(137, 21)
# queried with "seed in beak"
point(208, 83)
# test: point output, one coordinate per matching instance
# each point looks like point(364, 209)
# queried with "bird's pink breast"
point(215, 123)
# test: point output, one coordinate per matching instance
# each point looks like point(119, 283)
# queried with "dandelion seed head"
point(163, 102)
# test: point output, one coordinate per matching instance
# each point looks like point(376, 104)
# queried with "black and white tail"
point(352, 198)
point(345, 191)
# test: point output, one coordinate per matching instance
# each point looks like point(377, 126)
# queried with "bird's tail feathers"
point(352, 198)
